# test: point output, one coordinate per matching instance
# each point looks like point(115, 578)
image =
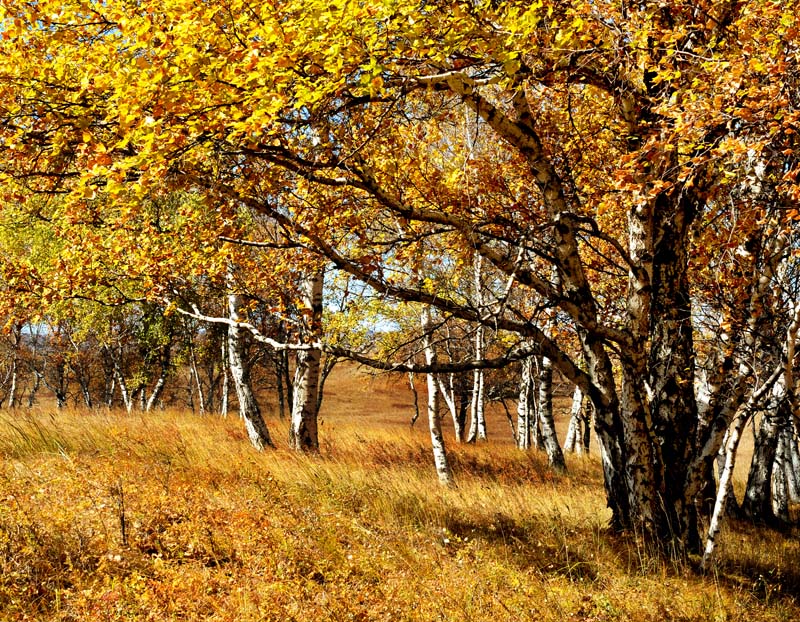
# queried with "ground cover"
point(172, 516)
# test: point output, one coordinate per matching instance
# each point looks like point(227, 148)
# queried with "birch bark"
point(526, 406)
point(16, 336)
point(249, 410)
point(555, 456)
point(434, 418)
point(578, 433)
point(223, 401)
point(724, 488)
point(757, 502)
point(303, 434)
point(195, 373)
point(448, 393)
point(477, 426)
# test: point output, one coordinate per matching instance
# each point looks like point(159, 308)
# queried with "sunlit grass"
point(168, 516)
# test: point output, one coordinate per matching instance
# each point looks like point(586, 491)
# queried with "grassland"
point(170, 516)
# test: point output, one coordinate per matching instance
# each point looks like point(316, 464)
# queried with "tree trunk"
point(449, 395)
point(328, 363)
point(16, 343)
point(578, 433)
point(757, 503)
point(37, 380)
point(780, 482)
point(555, 456)
point(724, 489)
point(569, 441)
point(731, 507)
point(127, 398)
point(12, 392)
point(257, 430)
point(279, 390)
point(111, 387)
point(285, 369)
point(303, 433)
point(87, 396)
point(287, 380)
point(477, 426)
point(158, 389)
point(526, 406)
point(194, 372)
point(434, 418)
point(58, 382)
point(190, 394)
point(415, 393)
point(223, 401)
point(463, 394)
point(647, 436)
point(587, 426)
point(793, 466)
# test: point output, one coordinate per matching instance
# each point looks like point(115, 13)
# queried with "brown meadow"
point(170, 516)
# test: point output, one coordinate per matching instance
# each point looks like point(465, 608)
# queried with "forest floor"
point(172, 516)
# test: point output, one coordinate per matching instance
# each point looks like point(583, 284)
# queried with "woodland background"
point(213, 207)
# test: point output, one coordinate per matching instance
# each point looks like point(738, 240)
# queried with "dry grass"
point(173, 517)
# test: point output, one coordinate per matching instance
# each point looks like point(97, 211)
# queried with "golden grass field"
point(170, 516)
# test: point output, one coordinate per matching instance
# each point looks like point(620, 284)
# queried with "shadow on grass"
point(529, 545)
point(764, 561)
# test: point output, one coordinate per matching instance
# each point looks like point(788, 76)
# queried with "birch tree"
point(528, 431)
point(477, 426)
point(249, 410)
point(434, 416)
point(579, 430)
point(303, 432)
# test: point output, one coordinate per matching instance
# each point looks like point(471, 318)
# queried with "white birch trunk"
point(575, 432)
point(111, 389)
point(477, 426)
point(279, 388)
point(87, 396)
point(12, 392)
point(555, 456)
point(757, 502)
point(156, 394)
point(725, 478)
point(780, 483)
point(793, 425)
point(201, 402)
point(449, 396)
point(223, 402)
point(793, 467)
point(526, 406)
point(477, 422)
point(434, 418)
point(303, 434)
point(127, 399)
point(249, 410)
point(158, 389)
point(732, 438)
